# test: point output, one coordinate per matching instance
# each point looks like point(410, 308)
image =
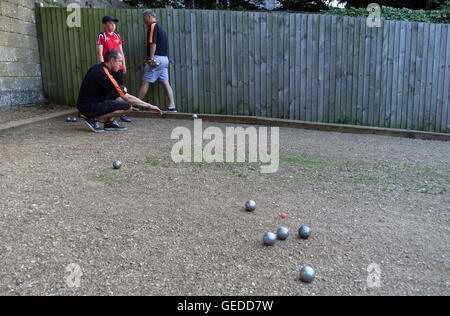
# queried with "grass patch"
point(153, 161)
point(166, 150)
point(112, 176)
point(385, 175)
point(301, 178)
point(103, 176)
point(303, 159)
point(383, 165)
point(128, 178)
point(363, 178)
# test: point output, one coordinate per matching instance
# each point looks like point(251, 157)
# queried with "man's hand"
point(152, 63)
point(157, 110)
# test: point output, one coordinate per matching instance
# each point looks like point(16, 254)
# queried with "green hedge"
point(389, 13)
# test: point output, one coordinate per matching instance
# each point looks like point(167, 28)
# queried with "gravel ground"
point(159, 228)
point(29, 112)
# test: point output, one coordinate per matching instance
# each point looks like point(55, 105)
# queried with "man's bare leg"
point(143, 90)
point(169, 92)
point(113, 115)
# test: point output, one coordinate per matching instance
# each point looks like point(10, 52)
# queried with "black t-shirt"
point(98, 85)
point(157, 35)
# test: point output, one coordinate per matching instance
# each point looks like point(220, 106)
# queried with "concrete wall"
point(20, 71)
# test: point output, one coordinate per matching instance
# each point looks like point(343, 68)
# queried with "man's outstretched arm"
point(141, 104)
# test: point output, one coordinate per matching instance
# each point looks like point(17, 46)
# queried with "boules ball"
point(74, 120)
point(283, 233)
point(307, 274)
point(304, 232)
point(195, 116)
point(270, 239)
point(117, 164)
point(250, 206)
point(69, 119)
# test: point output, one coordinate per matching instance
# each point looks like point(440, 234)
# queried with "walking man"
point(156, 65)
point(96, 100)
point(107, 40)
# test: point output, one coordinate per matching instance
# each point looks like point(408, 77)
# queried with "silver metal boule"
point(307, 274)
point(270, 239)
point(117, 164)
point(195, 116)
point(74, 119)
point(283, 233)
point(69, 119)
point(304, 232)
point(250, 205)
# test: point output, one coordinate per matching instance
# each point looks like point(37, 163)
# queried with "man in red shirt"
point(107, 40)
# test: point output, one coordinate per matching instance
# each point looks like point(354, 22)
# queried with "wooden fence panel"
point(293, 66)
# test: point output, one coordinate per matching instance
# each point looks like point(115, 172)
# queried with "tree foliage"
point(431, 11)
point(199, 4)
point(403, 14)
point(400, 4)
point(303, 5)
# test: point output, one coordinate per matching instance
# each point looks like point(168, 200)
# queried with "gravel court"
point(30, 112)
point(157, 228)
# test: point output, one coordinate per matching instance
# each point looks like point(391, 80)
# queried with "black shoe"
point(170, 109)
point(94, 125)
point(113, 126)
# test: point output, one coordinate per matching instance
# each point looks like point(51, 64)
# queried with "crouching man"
point(102, 98)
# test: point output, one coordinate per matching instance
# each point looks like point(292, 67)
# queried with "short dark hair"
point(112, 54)
point(150, 13)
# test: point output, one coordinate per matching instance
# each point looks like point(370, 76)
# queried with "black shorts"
point(93, 110)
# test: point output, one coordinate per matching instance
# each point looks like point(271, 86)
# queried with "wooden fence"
point(294, 66)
